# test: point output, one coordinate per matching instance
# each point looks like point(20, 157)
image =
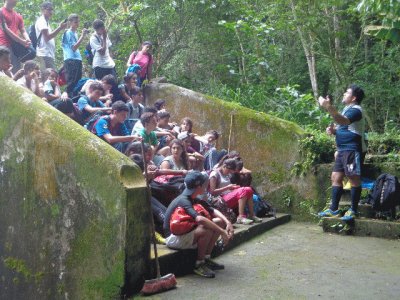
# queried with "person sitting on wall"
point(128, 89)
point(177, 161)
point(111, 128)
point(195, 159)
point(136, 107)
point(90, 103)
point(163, 131)
point(5, 62)
point(208, 150)
point(29, 77)
point(52, 93)
point(205, 233)
point(111, 88)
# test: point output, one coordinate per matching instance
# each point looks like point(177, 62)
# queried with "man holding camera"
point(45, 50)
point(72, 55)
point(349, 133)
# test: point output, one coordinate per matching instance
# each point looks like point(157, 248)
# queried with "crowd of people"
point(170, 154)
point(186, 168)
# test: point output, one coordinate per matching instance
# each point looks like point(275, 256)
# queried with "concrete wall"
point(268, 145)
point(73, 211)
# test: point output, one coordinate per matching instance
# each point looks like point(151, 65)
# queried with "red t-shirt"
point(144, 60)
point(14, 21)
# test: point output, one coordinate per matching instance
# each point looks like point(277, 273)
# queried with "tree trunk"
point(308, 46)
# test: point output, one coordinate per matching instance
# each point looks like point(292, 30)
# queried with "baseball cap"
point(193, 180)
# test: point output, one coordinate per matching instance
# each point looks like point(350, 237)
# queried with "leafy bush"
point(382, 144)
point(316, 148)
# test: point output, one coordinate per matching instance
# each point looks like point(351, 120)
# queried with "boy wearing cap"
point(206, 233)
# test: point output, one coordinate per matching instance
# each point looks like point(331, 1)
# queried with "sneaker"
point(159, 239)
point(204, 271)
point(349, 215)
point(329, 213)
point(214, 265)
point(243, 220)
point(256, 219)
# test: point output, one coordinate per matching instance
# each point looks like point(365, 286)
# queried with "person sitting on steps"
point(206, 233)
point(234, 195)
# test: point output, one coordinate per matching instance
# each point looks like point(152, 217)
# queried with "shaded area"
point(299, 261)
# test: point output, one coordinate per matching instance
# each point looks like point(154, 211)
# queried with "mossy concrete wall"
point(268, 145)
point(73, 210)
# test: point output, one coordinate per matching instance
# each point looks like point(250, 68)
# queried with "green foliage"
point(383, 144)
point(388, 12)
point(250, 52)
point(315, 148)
point(290, 104)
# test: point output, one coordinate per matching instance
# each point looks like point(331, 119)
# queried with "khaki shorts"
point(184, 241)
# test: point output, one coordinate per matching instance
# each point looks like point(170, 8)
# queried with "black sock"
point(337, 192)
point(355, 197)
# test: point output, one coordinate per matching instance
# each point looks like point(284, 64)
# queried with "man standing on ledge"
point(349, 138)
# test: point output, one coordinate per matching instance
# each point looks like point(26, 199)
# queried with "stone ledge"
point(364, 227)
point(182, 262)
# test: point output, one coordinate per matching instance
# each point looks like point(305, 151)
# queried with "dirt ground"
point(299, 261)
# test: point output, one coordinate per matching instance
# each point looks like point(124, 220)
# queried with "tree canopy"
point(272, 56)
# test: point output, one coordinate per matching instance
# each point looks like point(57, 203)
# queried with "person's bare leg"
point(202, 237)
point(215, 236)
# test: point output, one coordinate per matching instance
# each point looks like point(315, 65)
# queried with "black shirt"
point(186, 203)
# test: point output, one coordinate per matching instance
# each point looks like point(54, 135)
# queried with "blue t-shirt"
point(83, 101)
point(103, 126)
point(69, 39)
point(347, 136)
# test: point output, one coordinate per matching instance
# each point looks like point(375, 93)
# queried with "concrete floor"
point(299, 261)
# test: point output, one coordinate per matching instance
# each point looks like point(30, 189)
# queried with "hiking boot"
point(244, 221)
point(256, 219)
point(204, 271)
point(349, 215)
point(214, 265)
point(329, 213)
point(159, 239)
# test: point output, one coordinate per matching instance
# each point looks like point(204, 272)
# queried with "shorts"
point(232, 198)
point(184, 241)
point(348, 162)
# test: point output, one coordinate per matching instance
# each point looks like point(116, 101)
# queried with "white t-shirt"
point(102, 61)
point(44, 48)
point(222, 180)
point(22, 82)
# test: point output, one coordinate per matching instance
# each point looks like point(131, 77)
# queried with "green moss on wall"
point(20, 267)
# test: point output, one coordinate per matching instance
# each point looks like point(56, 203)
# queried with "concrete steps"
point(182, 262)
point(363, 227)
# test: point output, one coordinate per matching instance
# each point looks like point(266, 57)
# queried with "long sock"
point(355, 197)
point(337, 192)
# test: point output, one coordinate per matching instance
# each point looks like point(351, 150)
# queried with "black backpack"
point(95, 117)
point(89, 52)
point(32, 36)
point(385, 195)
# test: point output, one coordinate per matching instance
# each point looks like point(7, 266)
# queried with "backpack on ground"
point(261, 207)
point(385, 195)
point(33, 37)
point(218, 203)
